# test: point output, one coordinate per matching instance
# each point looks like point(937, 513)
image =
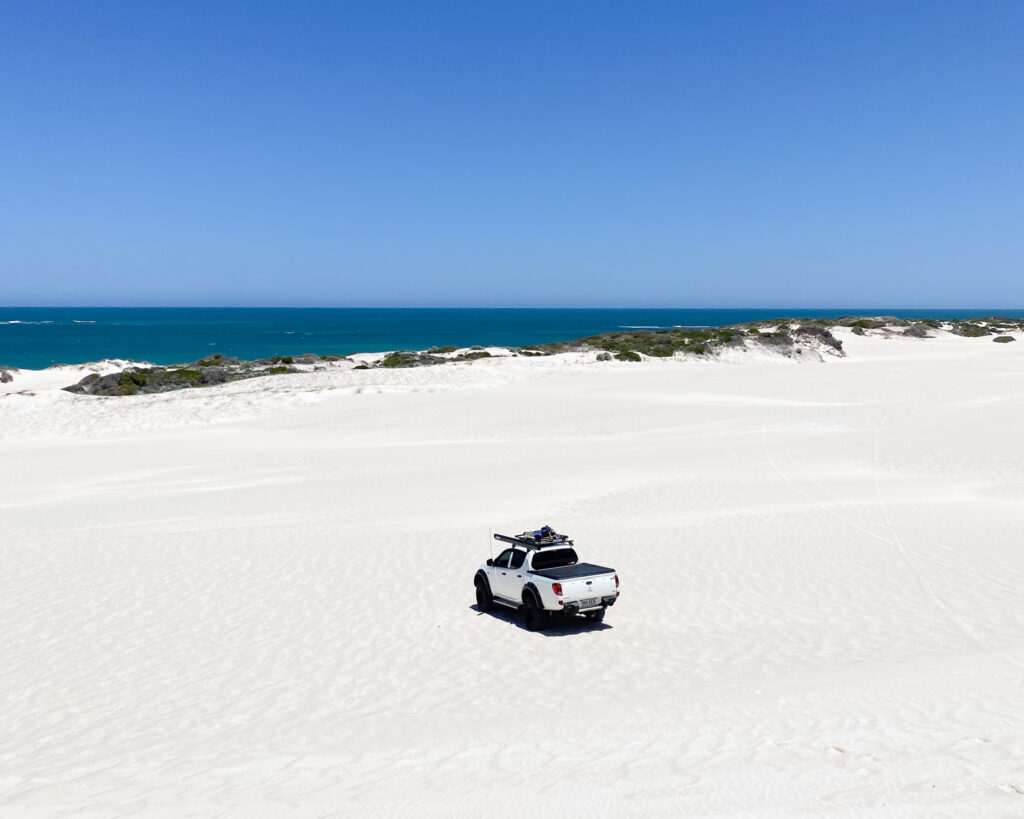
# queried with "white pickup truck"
point(540, 574)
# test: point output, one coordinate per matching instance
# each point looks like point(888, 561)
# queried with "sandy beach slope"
point(256, 600)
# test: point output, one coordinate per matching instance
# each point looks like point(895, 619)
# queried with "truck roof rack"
point(545, 536)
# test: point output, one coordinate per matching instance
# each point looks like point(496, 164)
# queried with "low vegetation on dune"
point(969, 329)
point(665, 343)
point(206, 372)
point(435, 355)
point(634, 345)
point(783, 336)
point(793, 338)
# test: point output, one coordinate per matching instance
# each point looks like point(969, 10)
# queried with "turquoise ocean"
point(40, 337)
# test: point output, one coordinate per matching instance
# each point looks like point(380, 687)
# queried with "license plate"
point(590, 601)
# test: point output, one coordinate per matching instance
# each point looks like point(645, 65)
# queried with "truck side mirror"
point(490, 562)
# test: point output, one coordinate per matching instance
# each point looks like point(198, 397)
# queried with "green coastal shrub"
point(131, 380)
point(1003, 339)
point(393, 360)
point(965, 328)
point(627, 355)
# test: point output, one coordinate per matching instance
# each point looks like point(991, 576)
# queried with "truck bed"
point(572, 572)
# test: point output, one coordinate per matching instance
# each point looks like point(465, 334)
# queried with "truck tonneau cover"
point(572, 572)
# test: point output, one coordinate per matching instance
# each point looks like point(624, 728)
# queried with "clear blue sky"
point(680, 154)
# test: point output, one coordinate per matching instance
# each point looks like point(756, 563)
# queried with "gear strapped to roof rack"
point(545, 536)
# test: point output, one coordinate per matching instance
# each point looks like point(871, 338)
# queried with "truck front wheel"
point(484, 601)
point(534, 616)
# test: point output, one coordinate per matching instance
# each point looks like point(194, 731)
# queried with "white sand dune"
point(256, 600)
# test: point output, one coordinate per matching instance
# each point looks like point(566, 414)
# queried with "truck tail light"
point(557, 588)
point(616, 581)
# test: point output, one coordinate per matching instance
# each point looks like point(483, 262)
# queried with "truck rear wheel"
point(484, 600)
point(534, 616)
point(594, 616)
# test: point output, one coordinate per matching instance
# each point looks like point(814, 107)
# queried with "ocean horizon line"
point(830, 308)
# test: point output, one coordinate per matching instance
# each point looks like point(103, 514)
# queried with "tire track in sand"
point(922, 580)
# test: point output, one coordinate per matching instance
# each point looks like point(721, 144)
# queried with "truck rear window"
point(554, 559)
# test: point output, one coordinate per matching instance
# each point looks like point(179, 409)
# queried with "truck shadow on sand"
point(560, 625)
